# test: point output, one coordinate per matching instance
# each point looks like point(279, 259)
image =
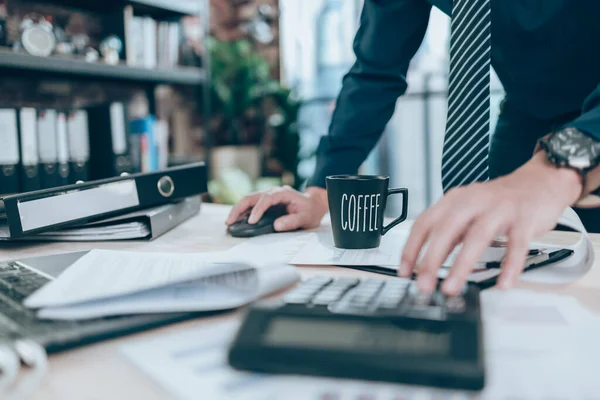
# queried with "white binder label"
point(117, 128)
point(77, 204)
point(79, 136)
point(61, 138)
point(9, 141)
point(29, 149)
point(47, 136)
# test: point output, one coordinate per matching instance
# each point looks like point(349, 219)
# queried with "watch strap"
point(589, 198)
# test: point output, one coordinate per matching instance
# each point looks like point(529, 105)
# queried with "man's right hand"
point(305, 210)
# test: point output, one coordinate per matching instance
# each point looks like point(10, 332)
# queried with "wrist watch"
point(571, 148)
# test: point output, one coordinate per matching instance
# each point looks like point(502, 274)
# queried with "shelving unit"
point(21, 63)
point(189, 7)
point(160, 8)
point(70, 81)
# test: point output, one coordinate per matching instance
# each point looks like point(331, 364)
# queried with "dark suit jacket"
point(545, 52)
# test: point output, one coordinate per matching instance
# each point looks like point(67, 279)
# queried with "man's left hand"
point(520, 206)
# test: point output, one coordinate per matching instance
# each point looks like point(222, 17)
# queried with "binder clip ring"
point(166, 186)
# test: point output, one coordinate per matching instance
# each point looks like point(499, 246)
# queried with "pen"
point(536, 255)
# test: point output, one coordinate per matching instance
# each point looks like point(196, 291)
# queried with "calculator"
point(371, 329)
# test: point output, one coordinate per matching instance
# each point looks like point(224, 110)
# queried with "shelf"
point(157, 8)
point(182, 7)
point(79, 69)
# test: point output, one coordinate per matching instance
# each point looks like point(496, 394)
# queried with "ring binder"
point(41, 210)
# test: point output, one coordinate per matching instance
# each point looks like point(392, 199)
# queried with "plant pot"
point(245, 158)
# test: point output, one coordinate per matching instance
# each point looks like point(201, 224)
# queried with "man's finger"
point(288, 223)
point(416, 240)
point(441, 243)
point(265, 202)
point(241, 207)
point(420, 233)
point(516, 255)
point(475, 242)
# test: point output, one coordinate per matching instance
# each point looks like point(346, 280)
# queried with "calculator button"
point(347, 281)
point(323, 301)
point(413, 289)
point(296, 299)
point(422, 300)
point(359, 302)
point(390, 300)
point(322, 280)
point(432, 312)
point(327, 297)
point(456, 304)
point(388, 304)
point(308, 292)
point(373, 284)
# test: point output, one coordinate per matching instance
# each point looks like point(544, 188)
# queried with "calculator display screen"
point(352, 335)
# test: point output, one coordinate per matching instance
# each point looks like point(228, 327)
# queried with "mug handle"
point(402, 218)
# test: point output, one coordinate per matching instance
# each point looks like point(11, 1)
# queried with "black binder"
point(46, 127)
point(62, 149)
point(79, 145)
point(34, 212)
point(109, 141)
point(30, 160)
point(9, 151)
point(146, 224)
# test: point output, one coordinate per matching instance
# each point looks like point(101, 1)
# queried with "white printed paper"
point(102, 274)
point(537, 346)
point(104, 283)
point(195, 296)
point(193, 365)
point(572, 268)
point(320, 250)
point(280, 247)
point(317, 248)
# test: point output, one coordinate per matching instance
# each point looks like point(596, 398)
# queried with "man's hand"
point(520, 206)
point(305, 210)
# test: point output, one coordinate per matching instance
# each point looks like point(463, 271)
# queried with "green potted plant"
point(254, 116)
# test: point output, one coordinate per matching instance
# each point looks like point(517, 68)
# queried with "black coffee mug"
point(357, 205)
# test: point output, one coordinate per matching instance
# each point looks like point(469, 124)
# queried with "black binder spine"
point(172, 216)
point(34, 212)
point(62, 145)
point(30, 175)
point(46, 127)
point(9, 151)
point(79, 145)
point(109, 143)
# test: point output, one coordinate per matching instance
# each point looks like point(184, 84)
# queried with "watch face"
point(578, 149)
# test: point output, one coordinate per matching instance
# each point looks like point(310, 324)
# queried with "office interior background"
point(249, 86)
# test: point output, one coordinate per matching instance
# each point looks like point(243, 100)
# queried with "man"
point(546, 55)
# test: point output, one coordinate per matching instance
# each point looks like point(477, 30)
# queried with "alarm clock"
point(37, 36)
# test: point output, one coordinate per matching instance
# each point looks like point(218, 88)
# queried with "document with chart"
point(543, 344)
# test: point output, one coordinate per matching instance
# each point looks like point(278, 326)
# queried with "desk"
point(101, 372)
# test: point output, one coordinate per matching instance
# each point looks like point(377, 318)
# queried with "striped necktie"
point(466, 145)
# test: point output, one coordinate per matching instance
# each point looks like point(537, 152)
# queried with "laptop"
point(20, 278)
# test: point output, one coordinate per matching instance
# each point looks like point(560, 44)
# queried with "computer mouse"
point(265, 225)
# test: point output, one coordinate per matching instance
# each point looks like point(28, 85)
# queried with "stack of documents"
point(103, 283)
point(119, 231)
point(147, 223)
